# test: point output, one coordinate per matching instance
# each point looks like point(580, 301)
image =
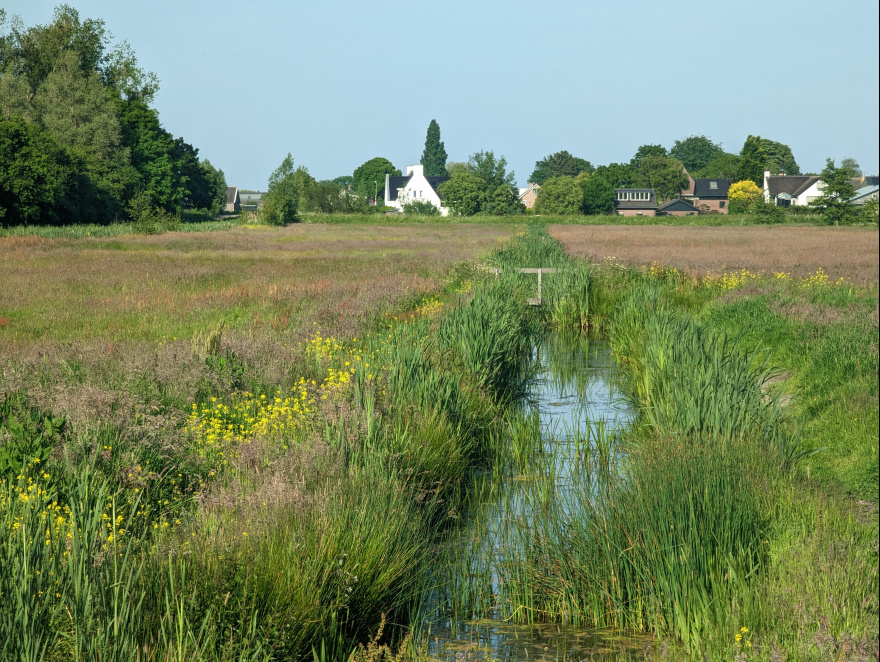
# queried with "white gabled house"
point(414, 186)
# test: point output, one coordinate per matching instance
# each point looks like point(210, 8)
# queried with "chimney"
point(766, 186)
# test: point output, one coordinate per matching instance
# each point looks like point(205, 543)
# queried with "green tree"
point(216, 182)
point(370, 177)
point(695, 152)
point(504, 201)
point(835, 199)
point(647, 150)
point(779, 158)
point(753, 159)
point(725, 166)
point(855, 170)
point(560, 195)
point(36, 174)
point(464, 193)
point(664, 174)
point(619, 175)
point(492, 170)
point(598, 195)
point(281, 202)
point(434, 156)
point(557, 165)
point(37, 51)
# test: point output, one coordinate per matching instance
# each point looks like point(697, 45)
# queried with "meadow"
point(250, 443)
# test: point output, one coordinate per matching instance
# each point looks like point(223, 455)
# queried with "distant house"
point(635, 202)
point(251, 200)
point(870, 180)
point(864, 194)
point(233, 200)
point(529, 194)
point(788, 190)
point(412, 187)
point(707, 195)
point(677, 208)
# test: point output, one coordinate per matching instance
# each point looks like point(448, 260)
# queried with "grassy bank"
point(738, 516)
point(248, 490)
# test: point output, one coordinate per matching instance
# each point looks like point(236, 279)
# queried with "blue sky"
point(337, 83)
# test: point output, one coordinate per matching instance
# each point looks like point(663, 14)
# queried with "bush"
point(420, 208)
point(560, 195)
point(148, 218)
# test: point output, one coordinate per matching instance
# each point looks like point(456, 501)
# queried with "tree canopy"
point(281, 202)
point(598, 195)
point(647, 150)
point(481, 186)
point(664, 174)
point(753, 159)
point(369, 177)
point(619, 175)
point(434, 156)
point(557, 165)
point(87, 99)
point(835, 199)
point(560, 195)
point(695, 152)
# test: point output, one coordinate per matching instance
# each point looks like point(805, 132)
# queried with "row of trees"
point(79, 140)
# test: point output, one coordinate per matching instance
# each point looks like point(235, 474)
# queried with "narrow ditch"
point(573, 397)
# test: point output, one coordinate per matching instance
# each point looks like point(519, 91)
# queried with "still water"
point(574, 389)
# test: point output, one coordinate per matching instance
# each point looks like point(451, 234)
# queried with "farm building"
point(233, 200)
point(635, 202)
point(412, 187)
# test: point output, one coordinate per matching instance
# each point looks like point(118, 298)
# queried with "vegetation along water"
point(650, 465)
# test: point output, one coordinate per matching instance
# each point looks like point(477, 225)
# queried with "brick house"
point(529, 194)
point(635, 202)
point(707, 194)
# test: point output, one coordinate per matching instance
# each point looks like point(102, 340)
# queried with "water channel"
point(575, 388)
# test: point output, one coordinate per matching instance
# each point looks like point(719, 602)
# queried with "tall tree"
point(560, 195)
point(216, 181)
point(646, 150)
point(664, 174)
point(598, 195)
point(491, 169)
point(725, 166)
point(619, 175)
point(434, 156)
point(779, 158)
point(753, 160)
point(835, 199)
point(695, 152)
point(281, 202)
point(464, 193)
point(852, 165)
point(559, 164)
point(36, 174)
point(369, 177)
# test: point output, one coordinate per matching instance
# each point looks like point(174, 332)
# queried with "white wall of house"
point(813, 192)
point(417, 188)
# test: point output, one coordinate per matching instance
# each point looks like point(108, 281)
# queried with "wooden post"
point(539, 271)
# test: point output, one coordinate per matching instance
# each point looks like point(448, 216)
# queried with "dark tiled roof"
point(635, 204)
point(871, 180)
point(395, 183)
point(436, 181)
point(703, 188)
point(793, 185)
point(676, 205)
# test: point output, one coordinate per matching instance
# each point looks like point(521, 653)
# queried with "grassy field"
point(248, 443)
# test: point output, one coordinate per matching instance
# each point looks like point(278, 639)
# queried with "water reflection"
point(574, 393)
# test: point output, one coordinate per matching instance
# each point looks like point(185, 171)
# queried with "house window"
point(721, 204)
point(638, 213)
point(713, 184)
point(622, 195)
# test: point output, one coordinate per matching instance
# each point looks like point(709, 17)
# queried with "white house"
point(788, 190)
point(414, 186)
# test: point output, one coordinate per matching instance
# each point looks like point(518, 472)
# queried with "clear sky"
point(337, 83)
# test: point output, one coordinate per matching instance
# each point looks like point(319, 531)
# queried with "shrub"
point(560, 195)
point(420, 208)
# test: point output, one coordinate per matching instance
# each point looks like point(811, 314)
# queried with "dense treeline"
point(79, 140)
